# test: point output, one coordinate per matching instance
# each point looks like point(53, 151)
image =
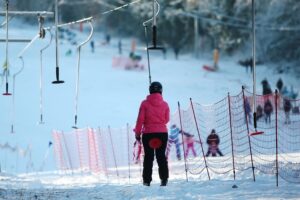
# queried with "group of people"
point(151, 131)
point(266, 108)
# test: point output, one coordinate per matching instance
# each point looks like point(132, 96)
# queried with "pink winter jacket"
point(153, 116)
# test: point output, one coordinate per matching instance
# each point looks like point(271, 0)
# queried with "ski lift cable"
point(120, 7)
point(78, 69)
point(70, 23)
point(214, 20)
point(219, 15)
point(14, 93)
point(268, 27)
point(96, 16)
point(262, 27)
point(15, 13)
point(41, 34)
point(28, 45)
point(75, 3)
point(4, 22)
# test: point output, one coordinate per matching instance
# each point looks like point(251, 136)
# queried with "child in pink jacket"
point(151, 123)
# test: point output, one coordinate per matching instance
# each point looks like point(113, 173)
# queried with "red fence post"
point(79, 149)
point(68, 153)
point(230, 120)
point(276, 132)
point(113, 151)
point(248, 132)
point(200, 138)
point(103, 152)
point(182, 142)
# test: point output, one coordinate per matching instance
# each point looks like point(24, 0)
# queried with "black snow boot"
point(146, 184)
point(163, 182)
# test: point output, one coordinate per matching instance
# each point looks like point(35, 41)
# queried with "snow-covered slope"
point(109, 96)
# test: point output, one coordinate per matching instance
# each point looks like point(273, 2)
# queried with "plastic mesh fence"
point(276, 151)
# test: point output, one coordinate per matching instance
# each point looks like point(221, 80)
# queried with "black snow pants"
point(160, 157)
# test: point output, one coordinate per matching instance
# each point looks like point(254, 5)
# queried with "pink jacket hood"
point(153, 115)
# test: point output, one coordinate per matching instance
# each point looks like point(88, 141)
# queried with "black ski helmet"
point(155, 87)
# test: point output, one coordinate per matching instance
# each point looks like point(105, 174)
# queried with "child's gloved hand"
point(138, 138)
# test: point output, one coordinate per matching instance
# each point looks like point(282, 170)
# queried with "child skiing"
point(174, 139)
point(189, 142)
point(213, 144)
point(287, 106)
point(268, 109)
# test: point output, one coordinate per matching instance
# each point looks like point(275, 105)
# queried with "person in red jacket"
point(154, 114)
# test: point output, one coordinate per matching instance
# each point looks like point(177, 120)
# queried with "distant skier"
point(153, 116)
point(176, 51)
point(69, 52)
point(287, 107)
point(268, 109)
point(189, 141)
point(259, 112)
point(216, 58)
point(213, 141)
point(279, 85)
point(174, 139)
point(247, 63)
point(92, 46)
point(266, 87)
point(164, 51)
point(247, 111)
point(107, 39)
point(120, 47)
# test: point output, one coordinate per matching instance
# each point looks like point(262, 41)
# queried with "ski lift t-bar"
point(154, 27)
point(6, 93)
point(156, 9)
point(154, 33)
point(57, 81)
point(78, 69)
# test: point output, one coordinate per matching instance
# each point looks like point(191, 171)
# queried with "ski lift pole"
point(254, 71)
point(41, 74)
point(13, 95)
point(254, 64)
point(156, 8)
point(57, 81)
point(154, 36)
point(6, 64)
point(78, 70)
point(154, 29)
point(148, 56)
